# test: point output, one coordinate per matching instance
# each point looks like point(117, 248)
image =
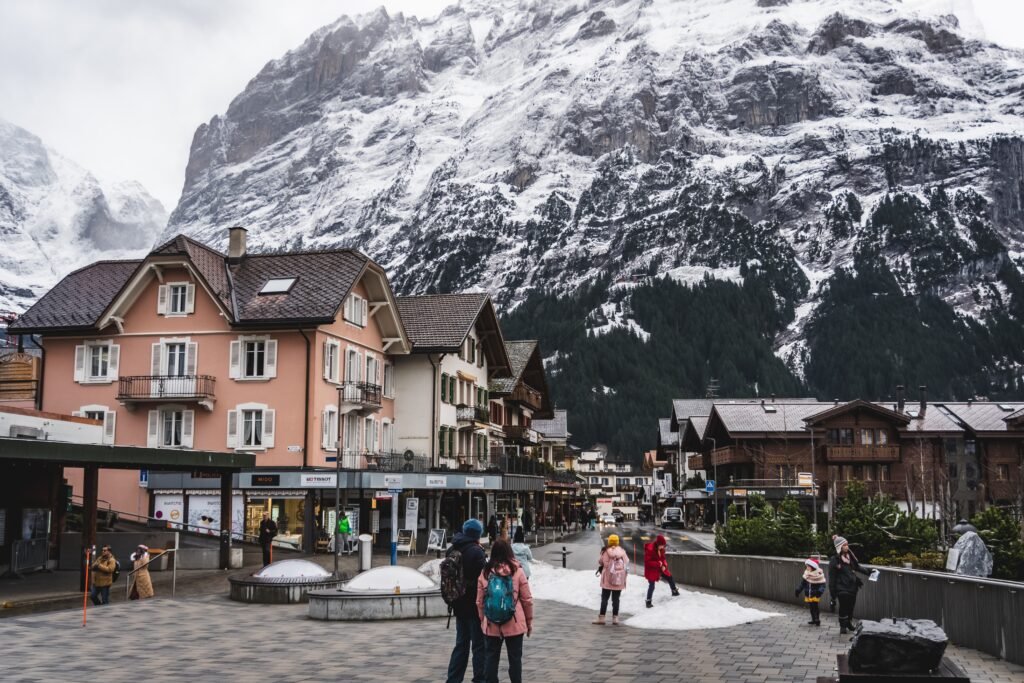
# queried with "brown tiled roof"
point(324, 280)
point(555, 428)
point(439, 322)
point(519, 353)
point(79, 299)
point(983, 416)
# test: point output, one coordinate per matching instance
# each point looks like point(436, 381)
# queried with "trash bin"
point(365, 551)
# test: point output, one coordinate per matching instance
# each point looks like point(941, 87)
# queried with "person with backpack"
point(613, 566)
point(524, 556)
point(656, 567)
point(505, 606)
point(460, 571)
point(105, 570)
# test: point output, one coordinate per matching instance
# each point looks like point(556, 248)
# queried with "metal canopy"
point(122, 457)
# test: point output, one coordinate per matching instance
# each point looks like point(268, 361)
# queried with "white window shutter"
point(188, 421)
point(325, 429)
point(115, 361)
point(190, 298)
point(109, 422)
point(268, 428)
point(327, 360)
point(232, 429)
point(270, 365)
point(153, 436)
point(157, 353)
point(80, 363)
point(161, 300)
point(191, 350)
point(365, 314)
point(235, 360)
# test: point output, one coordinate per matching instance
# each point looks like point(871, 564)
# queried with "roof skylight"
point(278, 285)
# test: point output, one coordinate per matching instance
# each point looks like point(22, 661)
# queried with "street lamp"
point(337, 490)
point(714, 466)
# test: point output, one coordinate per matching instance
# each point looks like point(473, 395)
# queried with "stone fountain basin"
point(372, 596)
point(286, 582)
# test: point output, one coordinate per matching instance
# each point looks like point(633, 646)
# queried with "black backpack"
point(117, 571)
point(453, 580)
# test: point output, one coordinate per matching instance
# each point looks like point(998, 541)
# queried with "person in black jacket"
point(268, 529)
point(468, 634)
point(843, 583)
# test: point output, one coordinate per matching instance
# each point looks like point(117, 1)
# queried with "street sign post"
point(709, 487)
point(394, 521)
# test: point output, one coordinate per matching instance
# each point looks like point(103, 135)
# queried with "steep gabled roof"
point(858, 404)
point(685, 408)
point(555, 428)
point(753, 418)
point(519, 353)
point(208, 261)
point(77, 301)
point(666, 437)
point(439, 323)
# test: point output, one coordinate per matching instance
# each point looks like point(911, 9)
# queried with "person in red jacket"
point(656, 567)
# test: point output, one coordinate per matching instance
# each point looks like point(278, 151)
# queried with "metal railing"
point(472, 414)
point(526, 395)
point(29, 554)
point(393, 461)
point(362, 393)
point(159, 387)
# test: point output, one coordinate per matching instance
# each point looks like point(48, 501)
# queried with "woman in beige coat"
point(143, 583)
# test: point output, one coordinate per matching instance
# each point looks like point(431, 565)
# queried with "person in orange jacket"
point(656, 567)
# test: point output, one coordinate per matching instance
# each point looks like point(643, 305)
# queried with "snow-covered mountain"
point(521, 145)
point(55, 216)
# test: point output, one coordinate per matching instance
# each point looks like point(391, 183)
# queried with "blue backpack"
point(499, 599)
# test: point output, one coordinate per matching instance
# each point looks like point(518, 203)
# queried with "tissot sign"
point(313, 481)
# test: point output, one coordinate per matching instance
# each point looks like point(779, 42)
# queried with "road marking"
point(645, 538)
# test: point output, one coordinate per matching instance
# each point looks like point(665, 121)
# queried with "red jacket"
point(654, 560)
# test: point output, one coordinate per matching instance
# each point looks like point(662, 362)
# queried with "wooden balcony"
point(862, 453)
point(695, 462)
point(730, 455)
point(526, 396)
point(179, 388)
point(521, 434)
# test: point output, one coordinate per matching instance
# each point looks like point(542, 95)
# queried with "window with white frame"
point(356, 310)
point(253, 358)
point(103, 414)
point(370, 435)
point(174, 358)
point(389, 380)
point(332, 361)
point(352, 366)
point(386, 437)
point(372, 372)
point(330, 428)
point(176, 298)
point(351, 432)
point(97, 361)
point(251, 426)
point(171, 427)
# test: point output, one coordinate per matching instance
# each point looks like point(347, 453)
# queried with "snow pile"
point(690, 611)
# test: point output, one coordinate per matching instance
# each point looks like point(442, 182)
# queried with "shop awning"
point(121, 457)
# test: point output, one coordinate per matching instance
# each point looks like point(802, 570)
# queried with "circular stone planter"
point(380, 594)
point(285, 582)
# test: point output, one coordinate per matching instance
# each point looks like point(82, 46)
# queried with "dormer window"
point(176, 298)
point(278, 285)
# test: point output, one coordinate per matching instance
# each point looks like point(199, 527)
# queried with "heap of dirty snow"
point(690, 611)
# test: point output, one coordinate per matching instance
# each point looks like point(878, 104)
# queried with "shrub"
point(765, 531)
point(1001, 534)
point(876, 527)
point(932, 560)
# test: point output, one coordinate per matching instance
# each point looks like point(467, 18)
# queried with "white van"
point(671, 517)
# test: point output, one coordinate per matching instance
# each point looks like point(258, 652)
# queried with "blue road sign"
point(710, 486)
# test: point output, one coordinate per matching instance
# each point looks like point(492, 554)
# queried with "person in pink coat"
point(503, 564)
point(613, 566)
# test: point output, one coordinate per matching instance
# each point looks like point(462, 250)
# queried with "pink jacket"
point(606, 560)
point(523, 619)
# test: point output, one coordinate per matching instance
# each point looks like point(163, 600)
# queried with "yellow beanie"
point(613, 540)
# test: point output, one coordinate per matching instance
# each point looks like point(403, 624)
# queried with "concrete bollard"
point(365, 552)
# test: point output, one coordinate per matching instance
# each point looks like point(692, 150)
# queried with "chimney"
point(773, 398)
point(236, 243)
point(901, 400)
point(924, 401)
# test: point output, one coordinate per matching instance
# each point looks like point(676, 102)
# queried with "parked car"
point(619, 515)
point(608, 518)
point(671, 517)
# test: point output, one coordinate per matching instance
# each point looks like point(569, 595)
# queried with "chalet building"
point(518, 399)
point(287, 356)
point(622, 483)
point(941, 459)
point(554, 440)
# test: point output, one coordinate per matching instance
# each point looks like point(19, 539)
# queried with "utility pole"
point(337, 491)
point(814, 489)
point(714, 465)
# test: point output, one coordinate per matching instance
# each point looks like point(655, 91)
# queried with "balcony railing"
point(397, 462)
point(695, 462)
point(527, 396)
point(730, 455)
point(473, 414)
point(521, 434)
point(362, 394)
point(862, 453)
point(163, 387)
point(18, 389)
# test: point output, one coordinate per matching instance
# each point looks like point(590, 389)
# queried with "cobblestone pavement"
point(210, 638)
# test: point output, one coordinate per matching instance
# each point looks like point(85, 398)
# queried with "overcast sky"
point(120, 86)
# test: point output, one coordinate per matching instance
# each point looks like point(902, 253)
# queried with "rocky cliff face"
point(537, 146)
point(55, 216)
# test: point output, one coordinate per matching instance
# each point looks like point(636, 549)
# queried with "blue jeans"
point(468, 636)
point(514, 646)
point(100, 596)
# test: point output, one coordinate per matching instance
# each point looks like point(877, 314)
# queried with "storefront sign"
point(266, 480)
point(170, 507)
point(474, 482)
point(143, 478)
point(317, 481)
point(804, 479)
point(434, 482)
point(412, 513)
point(382, 495)
point(393, 481)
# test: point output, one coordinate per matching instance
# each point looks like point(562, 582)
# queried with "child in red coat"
point(656, 567)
